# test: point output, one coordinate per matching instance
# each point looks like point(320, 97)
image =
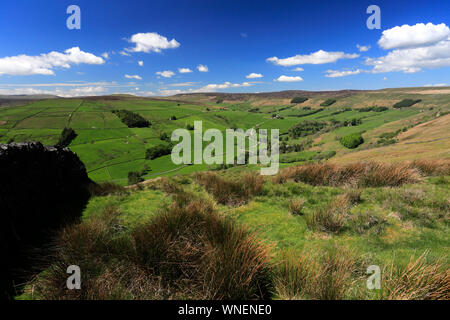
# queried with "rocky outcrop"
point(41, 190)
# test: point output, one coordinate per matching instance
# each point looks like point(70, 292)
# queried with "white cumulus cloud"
point(417, 47)
point(318, 57)
point(165, 74)
point(202, 68)
point(254, 75)
point(288, 79)
point(45, 63)
point(74, 92)
point(133, 77)
point(298, 69)
point(151, 41)
point(184, 70)
point(141, 63)
point(418, 35)
point(344, 73)
point(363, 48)
point(413, 59)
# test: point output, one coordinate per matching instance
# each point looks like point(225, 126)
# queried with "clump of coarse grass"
point(193, 247)
point(332, 218)
point(324, 275)
point(360, 174)
point(363, 222)
point(432, 167)
point(295, 206)
point(353, 196)
point(188, 251)
point(418, 280)
point(233, 190)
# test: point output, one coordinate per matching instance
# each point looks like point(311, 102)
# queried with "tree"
point(67, 135)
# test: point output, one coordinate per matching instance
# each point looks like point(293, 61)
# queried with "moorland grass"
point(186, 251)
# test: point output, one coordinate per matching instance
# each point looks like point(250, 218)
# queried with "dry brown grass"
point(362, 174)
point(432, 167)
point(418, 280)
point(187, 251)
point(231, 191)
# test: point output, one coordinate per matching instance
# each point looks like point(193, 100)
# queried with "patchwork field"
point(110, 149)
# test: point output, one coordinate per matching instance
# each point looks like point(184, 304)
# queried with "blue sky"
point(233, 39)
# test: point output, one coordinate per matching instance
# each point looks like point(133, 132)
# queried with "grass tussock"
point(327, 275)
point(188, 251)
point(332, 218)
point(361, 174)
point(295, 206)
point(231, 191)
point(432, 167)
point(418, 280)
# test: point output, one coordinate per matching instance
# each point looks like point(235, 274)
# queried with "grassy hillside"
point(311, 237)
point(110, 149)
point(210, 232)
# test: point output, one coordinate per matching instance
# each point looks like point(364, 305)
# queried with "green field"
point(110, 149)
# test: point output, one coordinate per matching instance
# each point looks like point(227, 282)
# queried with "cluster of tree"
point(253, 110)
point(164, 137)
point(373, 108)
point(131, 119)
point(173, 118)
point(190, 127)
point(328, 102)
point(158, 151)
point(306, 128)
point(135, 177)
point(406, 103)
point(67, 135)
point(388, 138)
point(351, 123)
point(352, 141)
point(296, 147)
point(299, 100)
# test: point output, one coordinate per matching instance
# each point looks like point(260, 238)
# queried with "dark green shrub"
point(134, 177)
point(352, 141)
point(131, 119)
point(406, 103)
point(299, 100)
point(373, 108)
point(67, 135)
point(164, 137)
point(306, 128)
point(158, 151)
point(328, 102)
